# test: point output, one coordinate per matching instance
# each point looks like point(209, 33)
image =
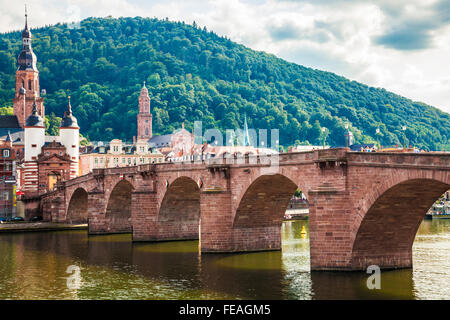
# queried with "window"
point(33, 146)
point(7, 166)
point(5, 195)
point(29, 84)
point(6, 153)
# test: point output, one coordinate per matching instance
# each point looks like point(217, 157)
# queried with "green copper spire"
point(246, 135)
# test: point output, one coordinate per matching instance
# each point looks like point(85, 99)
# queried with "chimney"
point(134, 139)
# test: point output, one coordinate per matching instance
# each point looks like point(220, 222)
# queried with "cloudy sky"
point(401, 45)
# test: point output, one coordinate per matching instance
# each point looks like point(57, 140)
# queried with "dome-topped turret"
point(34, 120)
point(144, 90)
point(69, 121)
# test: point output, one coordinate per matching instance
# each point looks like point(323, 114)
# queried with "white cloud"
point(400, 45)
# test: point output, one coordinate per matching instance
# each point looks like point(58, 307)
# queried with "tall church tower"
point(27, 81)
point(144, 117)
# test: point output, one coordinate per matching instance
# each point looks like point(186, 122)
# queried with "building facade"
point(48, 160)
point(7, 178)
point(119, 154)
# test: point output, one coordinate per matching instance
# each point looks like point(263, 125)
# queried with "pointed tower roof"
point(34, 120)
point(69, 121)
point(8, 137)
point(26, 59)
point(26, 33)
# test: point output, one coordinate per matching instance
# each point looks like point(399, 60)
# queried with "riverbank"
point(296, 214)
point(40, 226)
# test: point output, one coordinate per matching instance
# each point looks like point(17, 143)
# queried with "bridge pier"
point(144, 213)
point(53, 209)
point(97, 224)
point(330, 232)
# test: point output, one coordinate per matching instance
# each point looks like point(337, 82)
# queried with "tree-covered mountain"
point(193, 74)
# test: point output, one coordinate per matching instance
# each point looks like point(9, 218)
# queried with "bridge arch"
point(118, 209)
point(264, 202)
point(77, 211)
point(259, 214)
point(385, 232)
point(179, 212)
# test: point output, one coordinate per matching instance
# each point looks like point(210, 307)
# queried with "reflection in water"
point(33, 266)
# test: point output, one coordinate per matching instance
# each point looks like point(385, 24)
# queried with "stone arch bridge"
point(365, 208)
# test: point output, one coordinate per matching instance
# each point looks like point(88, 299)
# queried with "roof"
point(53, 144)
point(17, 134)
point(358, 147)
point(161, 141)
point(52, 138)
point(9, 122)
point(69, 121)
point(34, 119)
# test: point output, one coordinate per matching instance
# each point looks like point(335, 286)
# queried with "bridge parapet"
point(434, 160)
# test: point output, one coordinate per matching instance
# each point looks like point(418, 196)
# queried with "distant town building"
point(119, 154)
point(306, 148)
point(7, 177)
point(367, 147)
point(174, 146)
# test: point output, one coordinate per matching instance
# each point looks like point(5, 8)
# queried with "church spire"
point(246, 135)
point(27, 58)
point(26, 17)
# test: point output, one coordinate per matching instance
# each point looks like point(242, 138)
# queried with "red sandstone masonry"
point(365, 208)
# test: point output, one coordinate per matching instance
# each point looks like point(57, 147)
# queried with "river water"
point(34, 266)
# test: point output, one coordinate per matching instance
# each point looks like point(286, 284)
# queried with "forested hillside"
point(193, 74)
